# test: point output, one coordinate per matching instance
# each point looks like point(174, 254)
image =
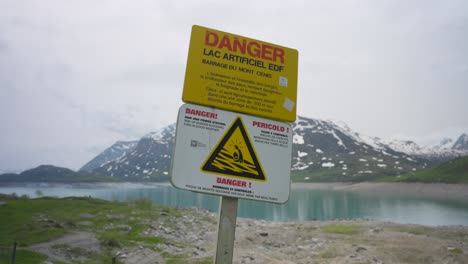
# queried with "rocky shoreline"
point(190, 238)
point(349, 241)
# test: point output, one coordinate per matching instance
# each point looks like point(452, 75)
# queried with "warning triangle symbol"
point(234, 155)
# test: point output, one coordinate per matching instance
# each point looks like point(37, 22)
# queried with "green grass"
point(456, 250)
point(183, 260)
point(420, 230)
point(23, 257)
point(453, 171)
point(309, 228)
point(329, 254)
point(18, 224)
point(340, 229)
point(115, 224)
point(30, 221)
point(336, 174)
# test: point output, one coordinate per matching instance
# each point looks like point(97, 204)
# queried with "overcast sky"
point(76, 76)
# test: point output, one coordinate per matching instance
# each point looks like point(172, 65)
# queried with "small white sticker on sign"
point(283, 81)
point(288, 104)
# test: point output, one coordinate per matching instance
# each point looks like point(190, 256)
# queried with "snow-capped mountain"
point(406, 146)
point(114, 152)
point(461, 144)
point(328, 151)
point(444, 150)
point(149, 159)
point(322, 151)
point(445, 144)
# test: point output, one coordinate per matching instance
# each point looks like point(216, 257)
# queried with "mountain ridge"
point(318, 146)
point(54, 174)
point(148, 160)
point(323, 151)
point(114, 152)
point(444, 150)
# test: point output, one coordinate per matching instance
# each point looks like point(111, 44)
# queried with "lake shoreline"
point(448, 191)
point(430, 190)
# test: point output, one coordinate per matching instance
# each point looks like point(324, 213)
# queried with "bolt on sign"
point(231, 154)
point(241, 74)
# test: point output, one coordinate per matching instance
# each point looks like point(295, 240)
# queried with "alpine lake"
point(303, 204)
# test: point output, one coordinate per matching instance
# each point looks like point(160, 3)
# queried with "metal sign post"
point(226, 230)
point(232, 139)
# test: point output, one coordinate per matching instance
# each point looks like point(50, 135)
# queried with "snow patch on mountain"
point(405, 146)
point(445, 149)
point(328, 165)
point(115, 152)
point(461, 144)
point(444, 145)
point(163, 134)
point(298, 139)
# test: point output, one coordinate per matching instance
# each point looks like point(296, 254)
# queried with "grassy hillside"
point(117, 226)
point(350, 169)
point(337, 175)
point(453, 171)
point(53, 174)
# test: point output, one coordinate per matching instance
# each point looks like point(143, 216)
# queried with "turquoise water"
point(302, 205)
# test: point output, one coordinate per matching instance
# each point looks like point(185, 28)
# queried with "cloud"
point(76, 76)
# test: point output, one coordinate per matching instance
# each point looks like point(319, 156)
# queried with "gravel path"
point(71, 247)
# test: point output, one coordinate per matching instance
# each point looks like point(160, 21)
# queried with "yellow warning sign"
point(241, 74)
point(234, 155)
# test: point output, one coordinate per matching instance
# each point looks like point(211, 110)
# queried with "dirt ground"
point(59, 249)
point(257, 241)
point(349, 242)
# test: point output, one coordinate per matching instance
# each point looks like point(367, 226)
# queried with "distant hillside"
point(52, 174)
point(453, 171)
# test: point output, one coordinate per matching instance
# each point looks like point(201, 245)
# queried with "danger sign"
point(241, 74)
point(234, 155)
point(231, 154)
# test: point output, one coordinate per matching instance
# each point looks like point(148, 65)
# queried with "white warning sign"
point(231, 154)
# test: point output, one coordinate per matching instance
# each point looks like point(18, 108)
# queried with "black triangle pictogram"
point(234, 155)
